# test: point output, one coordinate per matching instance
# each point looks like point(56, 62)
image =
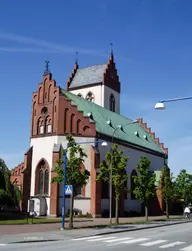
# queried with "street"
point(176, 237)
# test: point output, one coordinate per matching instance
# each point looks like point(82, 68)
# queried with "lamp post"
point(160, 105)
point(104, 143)
point(111, 171)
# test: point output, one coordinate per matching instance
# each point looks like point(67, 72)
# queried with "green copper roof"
point(106, 121)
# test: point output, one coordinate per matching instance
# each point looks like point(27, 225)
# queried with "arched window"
point(42, 179)
point(78, 126)
point(48, 125)
point(46, 182)
point(133, 174)
point(66, 117)
point(112, 103)
point(40, 126)
point(72, 123)
point(90, 97)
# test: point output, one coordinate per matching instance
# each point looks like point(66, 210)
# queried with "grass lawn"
point(28, 221)
point(58, 220)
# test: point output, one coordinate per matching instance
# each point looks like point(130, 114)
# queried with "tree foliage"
point(74, 175)
point(167, 187)
point(9, 194)
point(115, 161)
point(183, 186)
point(145, 187)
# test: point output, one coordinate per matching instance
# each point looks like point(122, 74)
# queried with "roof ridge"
point(81, 68)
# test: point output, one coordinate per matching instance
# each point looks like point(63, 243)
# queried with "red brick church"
point(89, 109)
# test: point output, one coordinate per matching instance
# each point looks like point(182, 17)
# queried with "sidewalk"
point(52, 232)
point(78, 223)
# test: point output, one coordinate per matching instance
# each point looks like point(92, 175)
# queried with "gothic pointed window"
point(46, 182)
point(42, 179)
point(48, 125)
point(90, 97)
point(112, 103)
point(40, 126)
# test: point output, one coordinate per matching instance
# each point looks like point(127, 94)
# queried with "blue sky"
point(153, 52)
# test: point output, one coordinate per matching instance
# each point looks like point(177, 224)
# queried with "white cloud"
point(33, 50)
point(49, 45)
point(12, 159)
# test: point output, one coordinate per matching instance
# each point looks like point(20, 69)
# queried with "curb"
point(35, 241)
point(142, 228)
point(101, 234)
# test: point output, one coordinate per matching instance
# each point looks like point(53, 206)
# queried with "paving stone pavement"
point(78, 223)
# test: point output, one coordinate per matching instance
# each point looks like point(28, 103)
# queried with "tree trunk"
point(167, 209)
point(71, 211)
point(116, 210)
point(146, 212)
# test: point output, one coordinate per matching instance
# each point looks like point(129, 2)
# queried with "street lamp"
point(111, 171)
point(103, 143)
point(160, 105)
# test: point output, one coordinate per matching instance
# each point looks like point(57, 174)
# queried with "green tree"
point(6, 197)
point(145, 187)
point(183, 186)
point(115, 161)
point(3, 197)
point(167, 187)
point(74, 176)
point(16, 195)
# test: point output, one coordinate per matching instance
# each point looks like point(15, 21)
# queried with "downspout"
point(101, 96)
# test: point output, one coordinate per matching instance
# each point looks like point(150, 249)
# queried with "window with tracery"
point(112, 103)
point(42, 178)
point(90, 97)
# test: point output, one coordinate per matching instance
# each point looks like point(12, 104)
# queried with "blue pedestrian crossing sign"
point(68, 189)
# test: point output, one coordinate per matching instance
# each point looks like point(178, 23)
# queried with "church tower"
point(97, 83)
point(44, 110)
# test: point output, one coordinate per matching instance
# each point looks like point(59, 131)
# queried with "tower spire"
point(47, 70)
point(76, 61)
point(111, 49)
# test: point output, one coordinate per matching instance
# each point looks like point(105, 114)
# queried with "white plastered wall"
point(134, 158)
point(96, 90)
point(102, 95)
point(43, 148)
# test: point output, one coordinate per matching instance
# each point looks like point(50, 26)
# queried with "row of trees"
point(10, 195)
point(145, 183)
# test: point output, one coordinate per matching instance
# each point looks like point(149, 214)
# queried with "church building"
point(88, 109)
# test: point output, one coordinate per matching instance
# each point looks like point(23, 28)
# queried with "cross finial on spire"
point(46, 71)
point(76, 61)
point(111, 49)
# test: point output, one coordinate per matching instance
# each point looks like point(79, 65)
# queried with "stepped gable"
point(100, 74)
point(152, 134)
point(16, 174)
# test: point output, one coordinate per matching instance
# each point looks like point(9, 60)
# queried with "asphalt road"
point(176, 237)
